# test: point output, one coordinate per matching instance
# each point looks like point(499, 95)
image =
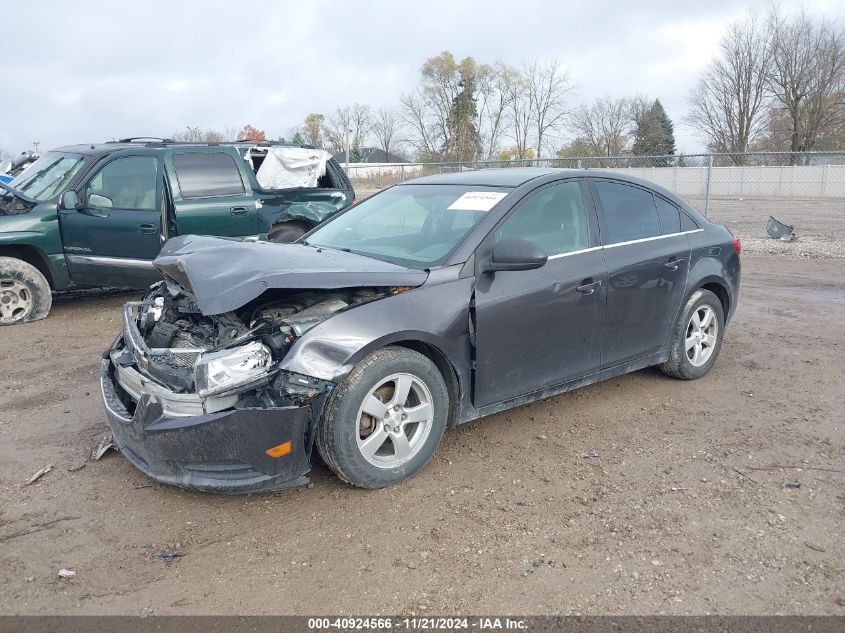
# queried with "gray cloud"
point(91, 71)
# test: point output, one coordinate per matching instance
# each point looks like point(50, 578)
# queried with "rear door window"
point(627, 213)
point(670, 216)
point(207, 175)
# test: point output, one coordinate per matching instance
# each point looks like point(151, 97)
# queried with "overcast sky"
point(92, 71)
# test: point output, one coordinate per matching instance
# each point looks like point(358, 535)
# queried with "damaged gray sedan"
point(425, 306)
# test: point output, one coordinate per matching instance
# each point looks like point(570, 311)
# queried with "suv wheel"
point(384, 422)
point(288, 232)
point(24, 292)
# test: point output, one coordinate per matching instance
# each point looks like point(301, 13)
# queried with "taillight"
point(737, 246)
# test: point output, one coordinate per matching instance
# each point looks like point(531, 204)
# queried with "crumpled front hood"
point(225, 274)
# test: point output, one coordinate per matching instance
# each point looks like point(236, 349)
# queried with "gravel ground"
point(819, 225)
point(683, 508)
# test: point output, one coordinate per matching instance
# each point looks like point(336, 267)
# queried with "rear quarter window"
point(206, 175)
point(687, 223)
point(670, 216)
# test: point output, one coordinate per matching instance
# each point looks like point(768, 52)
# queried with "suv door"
point(543, 327)
point(210, 194)
point(114, 235)
point(647, 265)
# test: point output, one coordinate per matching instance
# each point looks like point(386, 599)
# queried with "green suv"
point(97, 215)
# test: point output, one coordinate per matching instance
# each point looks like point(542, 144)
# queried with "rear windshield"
point(412, 225)
point(48, 176)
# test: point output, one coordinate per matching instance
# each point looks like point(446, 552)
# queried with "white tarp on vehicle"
point(287, 167)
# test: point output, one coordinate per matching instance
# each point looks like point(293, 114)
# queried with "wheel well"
point(721, 293)
point(298, 223)
point(448, 372)
point(32, 256)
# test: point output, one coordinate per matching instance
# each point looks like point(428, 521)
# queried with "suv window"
point(553, 218)
point(124, 183)
point(627, 213)
point(670, 216)
point(205, 175)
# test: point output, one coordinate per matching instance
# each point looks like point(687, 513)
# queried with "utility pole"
point(36, 144)
point(346, 145)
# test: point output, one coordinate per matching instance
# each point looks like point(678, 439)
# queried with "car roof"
point(94, 149)
point(503, 177)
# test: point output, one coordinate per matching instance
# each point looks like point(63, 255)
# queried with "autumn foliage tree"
point(251, 133)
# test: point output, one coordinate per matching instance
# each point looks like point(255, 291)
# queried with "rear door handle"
point(147, 229)
point(588, 289)
point(673, 264)
point(238, 210)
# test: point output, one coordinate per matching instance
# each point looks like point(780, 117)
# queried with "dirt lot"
point(684, 509)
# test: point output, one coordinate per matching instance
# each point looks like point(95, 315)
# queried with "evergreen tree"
point(654, 134)
point(355, 153)
point(464, 141)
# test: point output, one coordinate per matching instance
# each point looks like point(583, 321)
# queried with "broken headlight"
point(226, 369)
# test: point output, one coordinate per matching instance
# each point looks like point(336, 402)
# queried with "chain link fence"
point(700, 177)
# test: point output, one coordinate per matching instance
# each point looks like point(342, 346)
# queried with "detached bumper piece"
point(229, 451)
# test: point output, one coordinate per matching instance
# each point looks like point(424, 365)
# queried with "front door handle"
point(238, 210)
point(147, 229)
point(588, 289)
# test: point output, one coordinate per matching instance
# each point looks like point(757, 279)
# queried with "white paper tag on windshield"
point(477, 201)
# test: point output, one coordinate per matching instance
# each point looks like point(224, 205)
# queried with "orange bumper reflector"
point(280, 450)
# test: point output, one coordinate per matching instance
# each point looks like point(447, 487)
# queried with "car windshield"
point(416, 226)
point(48, 176)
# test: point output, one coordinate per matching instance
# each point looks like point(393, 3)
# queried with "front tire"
point(287, 232)
point(24, 292)
point(383, 423)
point(697, 338)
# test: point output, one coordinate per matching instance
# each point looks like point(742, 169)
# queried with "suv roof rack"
point(133, 139)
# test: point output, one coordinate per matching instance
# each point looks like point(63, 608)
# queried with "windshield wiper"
point(16, 192)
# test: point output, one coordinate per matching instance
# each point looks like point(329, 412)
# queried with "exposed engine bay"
point(209, 363)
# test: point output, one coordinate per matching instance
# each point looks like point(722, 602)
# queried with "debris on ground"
point(105, 445)
point(39, 474)
point(814, 546)
point(780, 231)
point(76, 469)
point(588, 454)
point(66, 573)
point(791, 484)
point(168, 554)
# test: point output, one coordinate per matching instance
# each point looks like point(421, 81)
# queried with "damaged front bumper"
point(230, 443)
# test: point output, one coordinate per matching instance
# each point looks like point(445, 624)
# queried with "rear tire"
point(24, 292)
point(697, 338)
point(288, 232)
point(410, 405)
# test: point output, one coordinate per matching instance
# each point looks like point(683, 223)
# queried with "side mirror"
point(515, 253)
point(70, 200)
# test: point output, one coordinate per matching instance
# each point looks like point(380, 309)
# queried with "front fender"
point(435, 315)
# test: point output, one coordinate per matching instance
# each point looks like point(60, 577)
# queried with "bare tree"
point(197, 135)
point(604, 126)
point(728, 105)
point(548, 87)
point(426, 110)
point(494, 90)
point(519, 115)
point(807, 75)
point(357, 119)
point(387, 127)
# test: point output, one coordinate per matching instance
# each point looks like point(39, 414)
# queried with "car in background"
point(430, 304)
point(97, 215)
